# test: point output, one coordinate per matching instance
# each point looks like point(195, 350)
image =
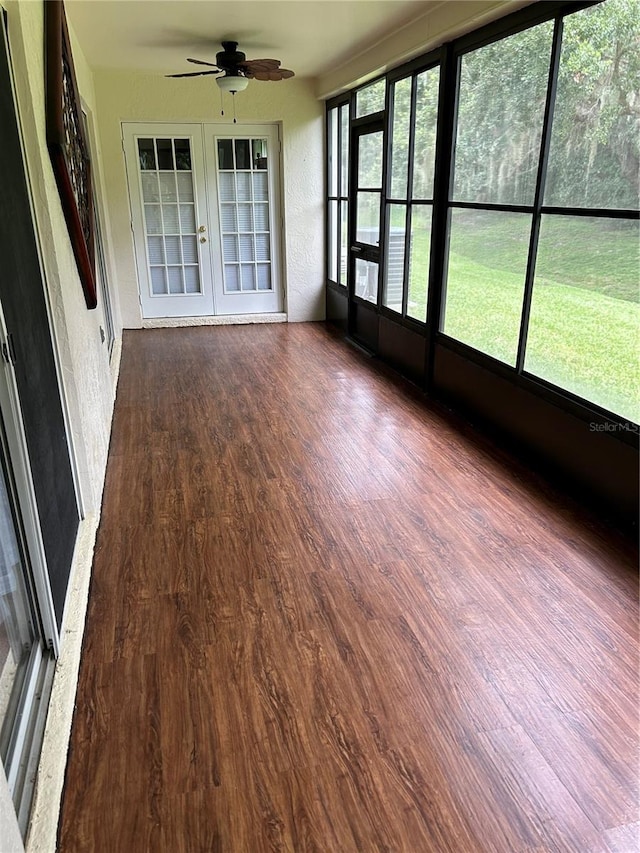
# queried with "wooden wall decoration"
point(68, 146)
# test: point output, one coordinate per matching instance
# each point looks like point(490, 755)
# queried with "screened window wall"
point(537, 261)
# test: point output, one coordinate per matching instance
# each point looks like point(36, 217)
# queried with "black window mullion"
point(445, 142)
point(405, 267)
point(339, 190)
point(492, 205)
point(409, 194)
point(545, 144)
point(596, 212)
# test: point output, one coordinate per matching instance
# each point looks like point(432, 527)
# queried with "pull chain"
point(221, 104)
point(235, 120)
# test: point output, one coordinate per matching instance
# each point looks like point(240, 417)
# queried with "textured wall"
point(122, 96)
point(88, 383)
point(83, 359)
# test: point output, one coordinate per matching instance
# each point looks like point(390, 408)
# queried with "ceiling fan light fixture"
point(232, 83)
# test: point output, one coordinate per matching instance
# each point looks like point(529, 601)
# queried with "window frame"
point(340, 198)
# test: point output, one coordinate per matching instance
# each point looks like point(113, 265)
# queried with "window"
point(543, 239)
point(338, 192)
point(413, 126)
point(370, 99)
point(502, 94)
point(584, 323)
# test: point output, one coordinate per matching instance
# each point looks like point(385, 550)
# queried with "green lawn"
point(584, 328)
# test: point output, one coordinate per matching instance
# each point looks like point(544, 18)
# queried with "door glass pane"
point(150, 188)
point(426, 124)
point(419, 258)
point(370, 99)
point(172, 250)
point(260, 191)
point(485, 281)
point(501, 107)
point(248, 273)
point(185, 187)
point(17, 634)
point(168, 189)
point(264, 277)
point(189, 250)
point(401, 121)
point(368, 218)
point(366, 285)
point(158, 281)
point(175, 280)
point(146, 154)
point(243, 187)
point(259, 154)
point(243, 154)
point(187, 219)
point(261, 217)
point(394, 257)
point(225, 153)
point(183, 154)
point(263, 248)
point(584, 326)
point(171, 218)
point(192, 279)
point(593, 161)
point(370, 161)
point(231, 278)
point(165, 154)
point(153, 219)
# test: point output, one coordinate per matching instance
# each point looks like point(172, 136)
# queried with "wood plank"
point(324, 616)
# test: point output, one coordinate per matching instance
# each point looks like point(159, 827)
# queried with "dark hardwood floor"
point(324, 618)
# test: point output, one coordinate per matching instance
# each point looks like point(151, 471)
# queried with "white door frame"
point(215, 300)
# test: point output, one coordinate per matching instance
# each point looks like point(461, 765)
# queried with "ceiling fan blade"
point(261, 64)
point(201, 62)
point(193, 74)
point(275, 74)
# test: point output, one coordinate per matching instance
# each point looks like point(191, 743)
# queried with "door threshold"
point(219, 320)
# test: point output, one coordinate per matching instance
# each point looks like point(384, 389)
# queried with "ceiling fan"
point(234, 70)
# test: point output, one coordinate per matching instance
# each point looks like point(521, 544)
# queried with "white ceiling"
point(308, 36)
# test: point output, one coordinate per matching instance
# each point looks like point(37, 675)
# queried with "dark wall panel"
point(403, 348)
point(23, 302)
point(602, 467)
point(337, 307)
point(363, 322)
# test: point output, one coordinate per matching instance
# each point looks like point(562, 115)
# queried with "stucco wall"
point(83, 358)
point(122, 96)
point(88, 389)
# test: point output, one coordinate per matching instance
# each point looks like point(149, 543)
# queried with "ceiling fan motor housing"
point(229, 59)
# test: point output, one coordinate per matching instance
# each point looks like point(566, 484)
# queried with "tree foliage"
point(595, 154)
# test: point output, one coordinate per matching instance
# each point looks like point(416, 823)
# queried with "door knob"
point(202, 228)
point(203, 239)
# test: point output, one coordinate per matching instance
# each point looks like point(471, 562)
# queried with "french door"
point(205, 210)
